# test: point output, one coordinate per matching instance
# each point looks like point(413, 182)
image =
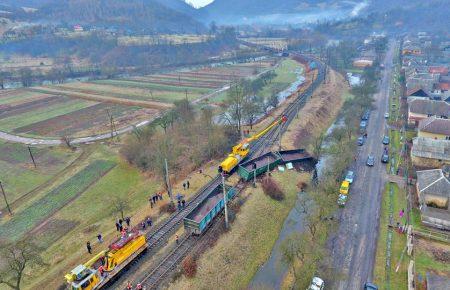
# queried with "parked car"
point(363, 127)
point(316, 284)
point(366, 115)
point(342, 199)
point(350, 176)
point(385, 157)
point(370, 286)
point(386, 140)
point(370, 160)
point(386, 115)
point(345, 187)
point(361, 141)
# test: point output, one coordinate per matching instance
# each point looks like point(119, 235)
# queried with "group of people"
point(146, 223)
point(88, 243)
point(154, 198)
point(130, 286)
point(120, 225)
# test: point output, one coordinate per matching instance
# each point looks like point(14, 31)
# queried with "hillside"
point(142, 15)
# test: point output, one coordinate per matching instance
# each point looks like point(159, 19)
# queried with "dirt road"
point(354, 245)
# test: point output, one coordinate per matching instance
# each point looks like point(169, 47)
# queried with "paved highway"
point(354, 245)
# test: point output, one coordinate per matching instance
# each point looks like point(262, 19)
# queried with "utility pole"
point(4, 196)
point(225, 201)
point(32, 157)
point(169, 189)
point(254, 175)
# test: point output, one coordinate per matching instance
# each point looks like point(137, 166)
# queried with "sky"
point(199, 3)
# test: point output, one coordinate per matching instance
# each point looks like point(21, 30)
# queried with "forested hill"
point(142, 15)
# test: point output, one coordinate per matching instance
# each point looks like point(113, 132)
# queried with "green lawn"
point(41, 114)
point(394, 148)
point(398, 280)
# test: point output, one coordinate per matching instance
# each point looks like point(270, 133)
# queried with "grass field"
point(17, 171)
point(23, 221)
point(398, 280)
point(248, 243)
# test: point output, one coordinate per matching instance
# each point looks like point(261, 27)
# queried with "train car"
point(199, 219)
point(259, 165)
point(106, 265)
point(295, 155)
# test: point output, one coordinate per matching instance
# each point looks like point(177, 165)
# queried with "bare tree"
point(68, 142)
point(120, 206)
point(17, 257)
point(251, 109)
point(235, 101)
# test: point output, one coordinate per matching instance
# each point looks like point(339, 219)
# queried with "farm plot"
point(126, 91)
point(47, 115)
point(25, 220)
point(88, 121)
point(18, 174)
point(174, 92)
point(33, 111)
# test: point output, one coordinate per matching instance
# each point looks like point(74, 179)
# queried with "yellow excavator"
point(98, 271)
point(241, 150)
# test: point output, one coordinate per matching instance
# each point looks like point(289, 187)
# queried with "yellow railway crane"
point(241, 150)
point(98, 271)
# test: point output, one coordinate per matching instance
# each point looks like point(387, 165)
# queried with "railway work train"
point(241, 150)
point(106, 265)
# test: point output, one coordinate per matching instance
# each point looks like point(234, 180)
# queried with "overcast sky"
point(199, 3)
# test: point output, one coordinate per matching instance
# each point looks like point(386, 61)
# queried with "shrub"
point(272, 189)
point(168, 208)
point(189, 266)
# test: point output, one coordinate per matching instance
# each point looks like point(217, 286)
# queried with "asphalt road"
point(354, 245)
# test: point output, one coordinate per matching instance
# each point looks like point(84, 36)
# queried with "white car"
point(386, 115)
point(316, 284)
point(350, 176)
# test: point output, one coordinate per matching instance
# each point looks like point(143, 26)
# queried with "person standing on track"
point(129, 286)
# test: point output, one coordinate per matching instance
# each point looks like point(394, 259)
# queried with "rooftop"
point(433, 182)
point(429, 107)
point(435, 126)
point(431, 148)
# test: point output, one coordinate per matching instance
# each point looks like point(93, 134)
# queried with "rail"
point(161, 234)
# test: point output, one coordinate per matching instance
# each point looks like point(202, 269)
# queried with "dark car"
point(386, 140)
point(385, 157)
point(370, 160)
point(370, 286)
point(361, 141)
point(366, 115)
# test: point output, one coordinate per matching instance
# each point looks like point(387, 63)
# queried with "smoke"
point(358, 8)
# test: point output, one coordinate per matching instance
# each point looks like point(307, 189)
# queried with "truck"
point(107, 265)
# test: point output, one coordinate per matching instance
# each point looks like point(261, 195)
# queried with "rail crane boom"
point(241, 150)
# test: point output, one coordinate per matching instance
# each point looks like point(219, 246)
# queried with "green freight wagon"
point(259, 165)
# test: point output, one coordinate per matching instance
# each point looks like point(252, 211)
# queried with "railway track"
point(159, 236)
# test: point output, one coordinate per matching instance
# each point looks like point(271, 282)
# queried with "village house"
point(419, 109)
point(433, 190)
point(434, 128)
point(430, 153)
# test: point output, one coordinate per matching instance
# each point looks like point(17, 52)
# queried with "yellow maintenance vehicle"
point(241, 150)
point(97, 272)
